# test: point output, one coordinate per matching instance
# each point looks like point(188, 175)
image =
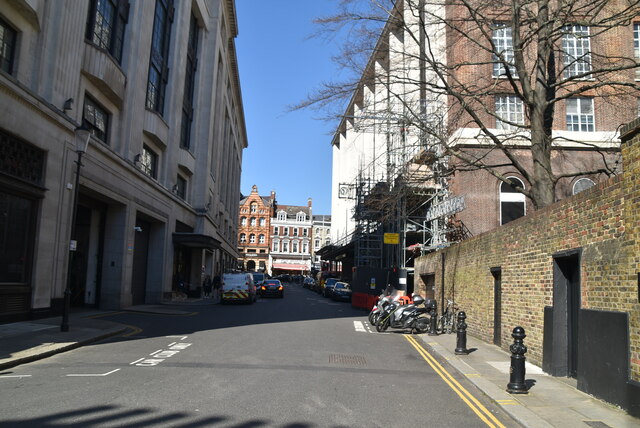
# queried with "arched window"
point(261, 239)
point(243, 238)
point(317, 244)
point(243, 221)
point(252, 221)
point(294, 247)
point(262, 222)
point(276, 246)
point(252, 238)
point(305, 248)
point(512, 202)
point(582, 184)
point(254, 207)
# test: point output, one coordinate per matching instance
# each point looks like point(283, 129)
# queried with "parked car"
point(328, 286)
point(238, 287)
point(341, 291)
point(271, 287)
point(308, 282)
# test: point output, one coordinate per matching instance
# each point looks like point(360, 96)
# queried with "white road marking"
point(359, 326)
point(18, 376)
point(155, 352)
point(136, 361)
point(180, 337)
point(93, 374)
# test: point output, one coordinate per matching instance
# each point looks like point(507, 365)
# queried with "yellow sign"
point(391, 238)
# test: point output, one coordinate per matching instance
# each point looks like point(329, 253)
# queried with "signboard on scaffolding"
point(391, 238)
point(445, 208)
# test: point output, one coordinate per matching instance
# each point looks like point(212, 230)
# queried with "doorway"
point(497, 305)
point(140, 262)
point(566, 310)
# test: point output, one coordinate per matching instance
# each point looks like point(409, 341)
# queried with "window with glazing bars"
point(106, 24)
point(577, 51)
point(580, 115)
point(510, 110)
point(159, 58)
point(149, 162)
point(503, 42)
point(8, 38)
point(95, 118)
point(189, 83)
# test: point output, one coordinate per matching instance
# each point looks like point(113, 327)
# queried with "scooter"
point(406, 316)
point(377, 309)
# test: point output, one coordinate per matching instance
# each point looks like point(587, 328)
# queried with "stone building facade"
point(569, 274)
point(157, 84)
point(254, 230)
point(321, 237)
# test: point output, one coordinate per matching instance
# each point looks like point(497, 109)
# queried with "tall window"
point(316, 244)
point(294, 247)
point(512, 202)
point(149, 162)
point(305, 232)
point(189, 83)
point(636, 46)
point(580, 114)
point(285, 231)
point(253, 221)
point(158, 63)
point(305, 247)
point(252, 238)
point(243, 221)
point(106, 23)
point(276, 230)
point(503, 42)
point(275, 246)
point(285, 247)
point(8, 38)
point(243, 238)
point(181, 187)
point(510, 110)
point(261, 239)
point(254, 207)
point(95, 118)
point(263, 222)
point(577, 50)
point(295, 231)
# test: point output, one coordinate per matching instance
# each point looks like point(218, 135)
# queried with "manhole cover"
point(353, 360)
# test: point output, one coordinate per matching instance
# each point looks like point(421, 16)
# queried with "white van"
point(238, 287)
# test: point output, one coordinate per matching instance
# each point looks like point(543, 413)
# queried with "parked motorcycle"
point(377, 309)
point(407, 316)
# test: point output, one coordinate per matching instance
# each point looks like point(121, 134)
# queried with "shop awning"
point(195, 240)
point(290, 266)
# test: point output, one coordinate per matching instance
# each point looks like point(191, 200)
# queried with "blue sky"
point(279, 65)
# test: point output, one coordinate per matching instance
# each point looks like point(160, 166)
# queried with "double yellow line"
point(483, 413)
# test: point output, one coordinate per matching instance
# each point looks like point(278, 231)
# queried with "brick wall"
point(603, 222)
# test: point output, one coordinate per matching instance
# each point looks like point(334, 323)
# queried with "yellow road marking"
point(503, 402)
point(105, 314)
point(135, 330)
point(482, 412)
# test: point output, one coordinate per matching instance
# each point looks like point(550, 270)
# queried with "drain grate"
point(353, 360)
point(596, 424)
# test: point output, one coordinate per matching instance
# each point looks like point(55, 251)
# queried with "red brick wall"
point(604, 222)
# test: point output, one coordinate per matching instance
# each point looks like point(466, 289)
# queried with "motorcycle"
point(407, 316)
point(377, 309)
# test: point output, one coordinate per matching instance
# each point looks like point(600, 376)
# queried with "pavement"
point(550, 401)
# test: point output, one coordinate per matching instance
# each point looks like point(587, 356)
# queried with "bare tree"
point(491, 74)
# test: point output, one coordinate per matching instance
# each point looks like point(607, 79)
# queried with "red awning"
point(289, 266)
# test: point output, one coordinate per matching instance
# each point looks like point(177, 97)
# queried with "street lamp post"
point(82, 135)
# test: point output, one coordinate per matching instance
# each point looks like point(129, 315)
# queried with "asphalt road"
point(298, 362)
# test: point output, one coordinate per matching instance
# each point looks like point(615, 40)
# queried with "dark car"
point(341, 291)
point(308, 282)
point(328, 286)
point(271, 287)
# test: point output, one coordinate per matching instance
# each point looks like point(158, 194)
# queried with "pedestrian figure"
point(206, 287)
point(217, 282)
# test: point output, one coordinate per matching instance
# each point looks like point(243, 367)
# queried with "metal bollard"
point(433, 321)
point(517, 384)
point(461, 339)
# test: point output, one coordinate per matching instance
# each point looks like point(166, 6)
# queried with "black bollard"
point(517, 384)
point(433, 318)
point(461, 339)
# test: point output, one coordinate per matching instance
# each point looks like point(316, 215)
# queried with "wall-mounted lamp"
point(68, 105)
point(137, 228)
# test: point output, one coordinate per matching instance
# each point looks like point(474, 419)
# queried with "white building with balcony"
point(291, 230)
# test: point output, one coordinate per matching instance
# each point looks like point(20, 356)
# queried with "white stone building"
point(157, 83)
point(321, 237)
point(291, 239)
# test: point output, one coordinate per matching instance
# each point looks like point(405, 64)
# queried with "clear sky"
point(279, 65)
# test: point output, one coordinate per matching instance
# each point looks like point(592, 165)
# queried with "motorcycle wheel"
point(422, 325)
point(382, 325)
point(372, 316)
